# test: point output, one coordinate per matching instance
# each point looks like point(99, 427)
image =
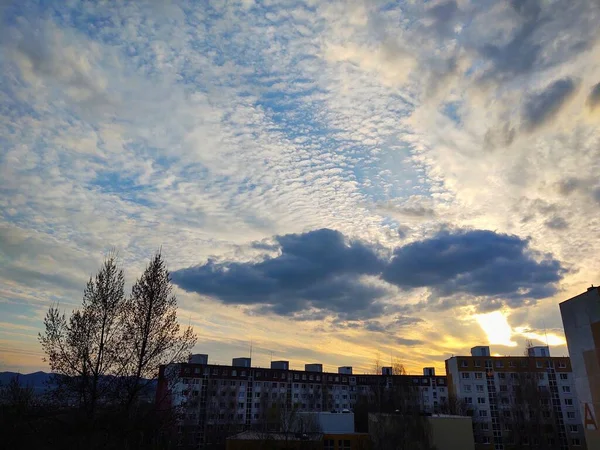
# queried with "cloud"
point(544, 106)
point(477, 263)
point(593, 99)
point(390, 61)
point(320, 271)
point(399, 321)
point(557, 223)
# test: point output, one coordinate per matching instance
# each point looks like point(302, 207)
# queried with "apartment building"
point(217, 400)
point(581, 320)
point(518, 401)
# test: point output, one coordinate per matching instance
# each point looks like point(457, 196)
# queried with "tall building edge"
point(581, 323)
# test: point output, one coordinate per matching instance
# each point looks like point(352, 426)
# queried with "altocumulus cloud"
point(322, 273)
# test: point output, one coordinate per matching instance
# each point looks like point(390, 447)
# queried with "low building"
point(306, 430)
point(420, 431)
point(252, 440)
point(448, 432)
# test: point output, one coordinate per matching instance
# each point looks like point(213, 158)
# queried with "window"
point(483, 413)
point(503, 388)
point(467, 388)
point(506, 413)
point(539, 364)
point(464, 363)
point(469, 400)
point(499, 364)
point(564, 376)
point(296, 376)
point(566, 388)
point(477, 363)
point(562, 365)
point(465, 376)
point(481, 400)
point(575, 442)
point(485, 439)
point(485, 426)
point(571, 415)
point(328, 444)
point(541, 376)
point(479, 388)
point(511, 364)
point(569, 401)
point(479, 375)
point(573, 428)
point(502, 375)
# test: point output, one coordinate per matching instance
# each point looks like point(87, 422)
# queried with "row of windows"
point(296, 376)
point(575, 442)
point(504, 388)
point(512, 363)
point(512, 375)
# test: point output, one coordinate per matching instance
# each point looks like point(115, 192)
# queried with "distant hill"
point(39, 380)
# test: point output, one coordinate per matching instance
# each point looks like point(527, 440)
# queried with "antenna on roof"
point(250, 348)
point(271, 355)
point(546, 335)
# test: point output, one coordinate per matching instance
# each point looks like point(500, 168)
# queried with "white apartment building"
point(214, 397)
point(518, 400)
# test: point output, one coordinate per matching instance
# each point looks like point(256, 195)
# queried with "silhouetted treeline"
point(104, 357)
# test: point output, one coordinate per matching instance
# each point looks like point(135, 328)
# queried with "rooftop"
point(275, 436)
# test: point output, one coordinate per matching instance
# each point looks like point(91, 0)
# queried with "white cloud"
point(203, 129)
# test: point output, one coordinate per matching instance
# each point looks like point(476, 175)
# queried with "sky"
point(329, 181)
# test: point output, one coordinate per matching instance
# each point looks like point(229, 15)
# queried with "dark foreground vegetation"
point(104, 358)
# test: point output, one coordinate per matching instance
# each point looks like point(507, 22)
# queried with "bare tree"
point(377, 365)
point(398, 367)
point(15, 395)
point(152, 335)
point(527, 413)
point(455, 406)
point(82, 351)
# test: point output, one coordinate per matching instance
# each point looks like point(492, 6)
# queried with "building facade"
point(581, 321)
point(518, 401)
point(216, 400)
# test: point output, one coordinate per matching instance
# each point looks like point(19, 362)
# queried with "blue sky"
point(330, 180)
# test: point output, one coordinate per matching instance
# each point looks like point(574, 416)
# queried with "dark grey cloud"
point(408, 342)
point(499, 137)
point(545, 34)
point(521, 52)
point(593, 99)
point(399, 321)
point(583, 186)
point(409, 210)
point(317, 274)
point(540, 108)
point(316, 270)
point(557, 223)
point(444, 16)
point(596, 195)
point(476, 263)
